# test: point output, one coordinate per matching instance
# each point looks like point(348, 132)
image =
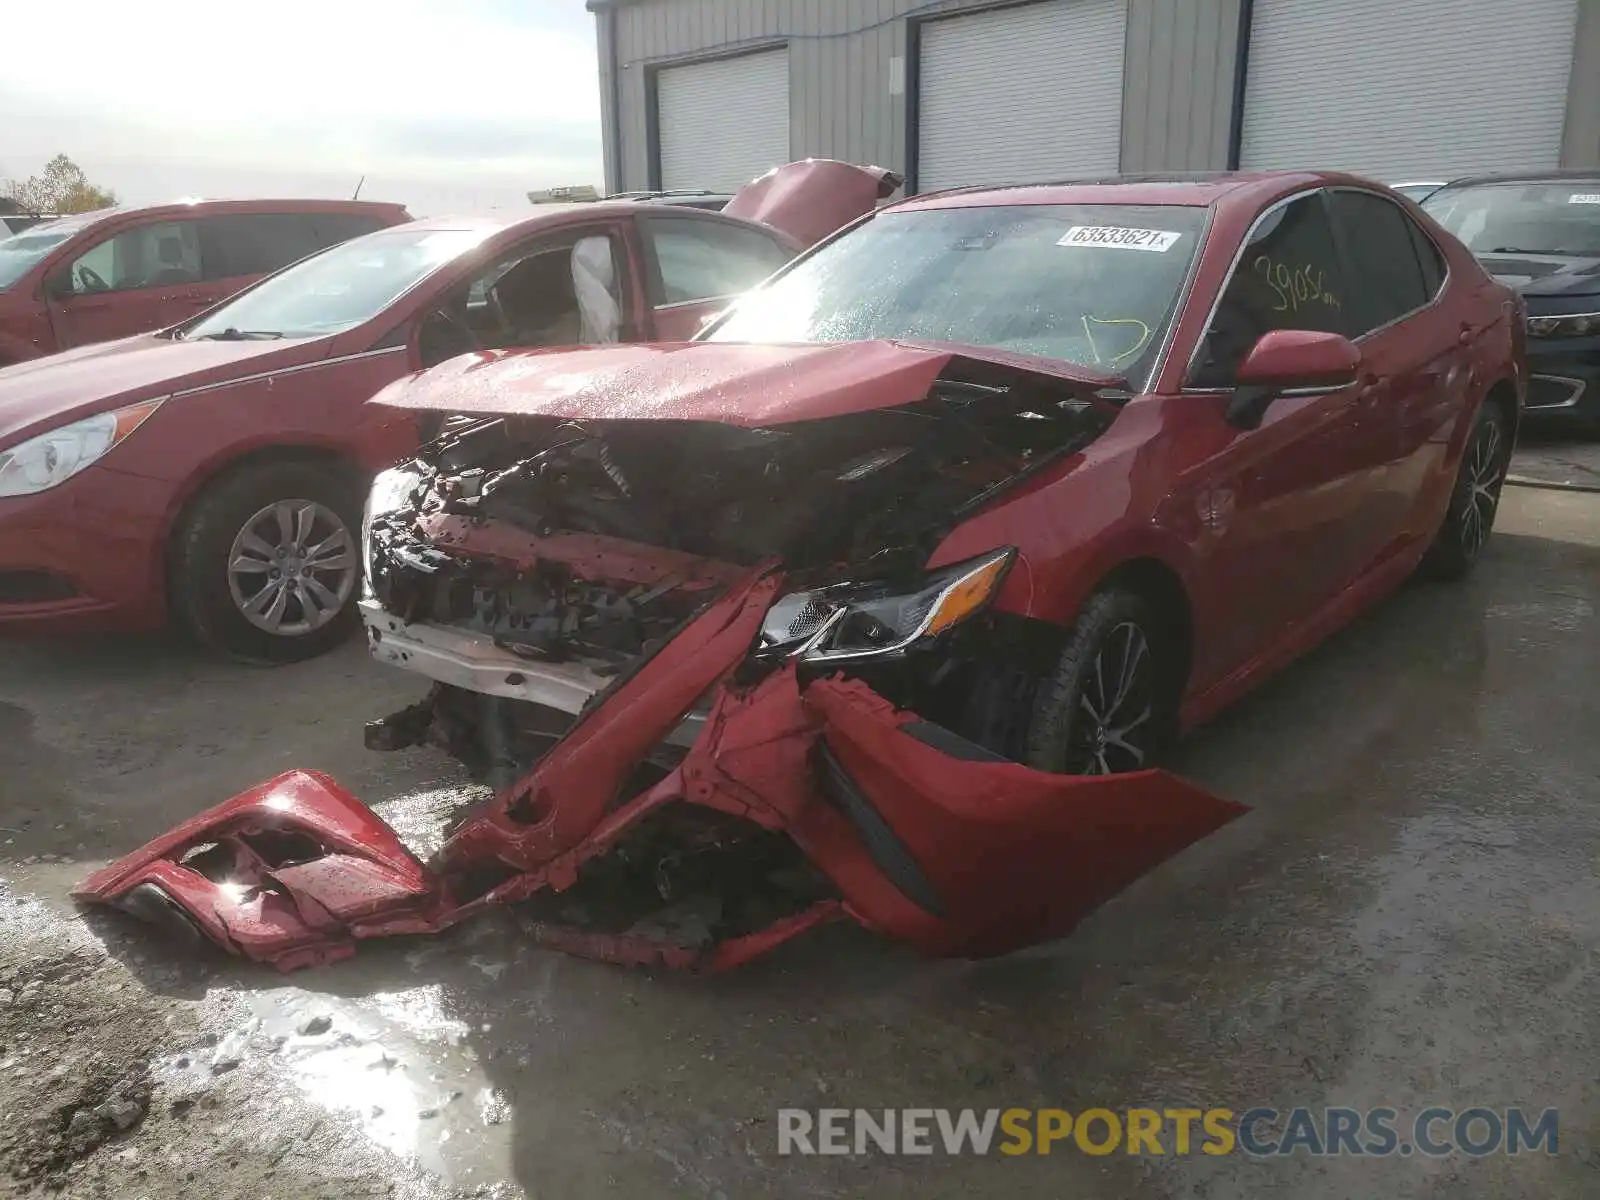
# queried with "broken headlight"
point(861, 620)
point(391, 491)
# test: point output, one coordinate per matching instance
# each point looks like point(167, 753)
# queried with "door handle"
point(1465, 336)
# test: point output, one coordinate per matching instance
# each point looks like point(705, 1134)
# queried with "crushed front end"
point(728, 686)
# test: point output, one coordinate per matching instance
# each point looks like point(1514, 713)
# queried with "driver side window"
point(161, 255)
point(547, 293)
point(1288, 277)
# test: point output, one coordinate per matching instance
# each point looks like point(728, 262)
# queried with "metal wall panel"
point(1580, 141)
point(849, 94)
point(1177, 101)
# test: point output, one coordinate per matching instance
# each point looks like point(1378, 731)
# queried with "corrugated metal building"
point(709, 93)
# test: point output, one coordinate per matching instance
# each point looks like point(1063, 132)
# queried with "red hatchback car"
point(216, 469)
point(103, 275)
point(880, 598)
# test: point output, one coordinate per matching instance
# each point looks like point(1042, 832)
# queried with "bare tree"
point(60, 188)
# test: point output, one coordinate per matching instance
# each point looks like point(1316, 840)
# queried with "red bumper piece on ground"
point(922, 835)
point(288, 873)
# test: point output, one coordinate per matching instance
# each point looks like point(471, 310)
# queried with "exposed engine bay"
point(593, 542)
point(723, 694)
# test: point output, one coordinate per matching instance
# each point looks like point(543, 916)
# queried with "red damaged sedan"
point(215, 471)
point(880, 598)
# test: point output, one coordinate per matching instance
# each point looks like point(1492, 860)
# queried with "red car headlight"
point(44, 462)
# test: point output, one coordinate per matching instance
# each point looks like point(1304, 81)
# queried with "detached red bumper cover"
point(907, 828)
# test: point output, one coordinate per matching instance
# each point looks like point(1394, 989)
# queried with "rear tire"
point(266, 565)
point(1110, 704)
point(1475, 499)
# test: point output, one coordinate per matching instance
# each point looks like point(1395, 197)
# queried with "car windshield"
point(20, 252)
point(338, 289)
point(1558, 218)
point(1093, 285)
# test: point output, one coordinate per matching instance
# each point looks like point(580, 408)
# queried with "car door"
point(695, 263)
point(1414, 361)
point(124, 283)
point(1280, 503)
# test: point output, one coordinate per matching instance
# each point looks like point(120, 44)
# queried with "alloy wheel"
point(1484, 473)
point(1117, 699)
point(292, 568)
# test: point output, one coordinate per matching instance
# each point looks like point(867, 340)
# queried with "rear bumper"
point(85, 556)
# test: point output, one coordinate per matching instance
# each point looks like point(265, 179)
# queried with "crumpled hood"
point(1546, 274)
point(45, 392)
point(731, 382)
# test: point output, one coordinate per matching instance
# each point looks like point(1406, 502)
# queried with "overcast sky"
point(445, 105)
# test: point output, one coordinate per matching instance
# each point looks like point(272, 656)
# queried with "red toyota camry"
point(880, 598)
point(215, 470)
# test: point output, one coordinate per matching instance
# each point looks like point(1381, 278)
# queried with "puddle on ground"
point(393, 1063)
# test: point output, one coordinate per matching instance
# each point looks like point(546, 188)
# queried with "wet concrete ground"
point(1408, 917)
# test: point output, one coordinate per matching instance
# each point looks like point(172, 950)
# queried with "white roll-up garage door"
point(1021, 94)
point(725, 122)
point(1398, 89)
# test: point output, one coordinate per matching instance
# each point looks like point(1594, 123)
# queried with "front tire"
point(1109, 705)
point(266, 566)
point(1474, 501)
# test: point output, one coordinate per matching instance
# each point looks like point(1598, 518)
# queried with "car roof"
point(76, 221)
point(1200, 189)
point(557, 213)
point(1566, 176)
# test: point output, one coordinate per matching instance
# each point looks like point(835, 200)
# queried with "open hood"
point(730, 382)
point(810, 199)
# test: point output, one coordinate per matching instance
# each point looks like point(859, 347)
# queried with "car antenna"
point(357, 195)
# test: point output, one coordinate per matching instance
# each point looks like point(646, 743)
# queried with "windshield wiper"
point(1512, 250)
point(232, 334)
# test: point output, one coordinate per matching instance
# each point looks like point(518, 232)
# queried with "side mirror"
point(1286, 359)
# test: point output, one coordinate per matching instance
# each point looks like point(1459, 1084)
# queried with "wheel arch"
point(220, 469)
point(1163, 589)
point(1503, 394)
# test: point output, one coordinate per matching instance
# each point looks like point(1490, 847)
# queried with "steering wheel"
point(492, 295)
point(91, 281)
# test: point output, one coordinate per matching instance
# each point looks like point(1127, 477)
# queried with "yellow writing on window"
point(1295, 287)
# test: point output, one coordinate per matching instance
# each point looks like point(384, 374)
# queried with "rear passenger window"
point(256, 243)
point(1386, 278)
point(701, 259)
point(1287, 278)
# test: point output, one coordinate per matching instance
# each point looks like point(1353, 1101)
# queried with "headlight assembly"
point(853, 621)
point(1566, 325)
point(46, 461)
point(390, 492)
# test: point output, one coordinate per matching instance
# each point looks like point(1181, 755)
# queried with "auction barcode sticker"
point(1114, 237)
point(1584, 198)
